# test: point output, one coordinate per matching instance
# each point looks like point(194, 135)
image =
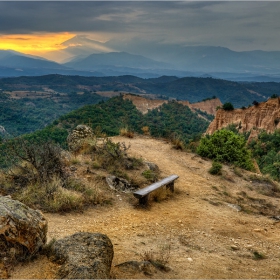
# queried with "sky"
point(36, 27)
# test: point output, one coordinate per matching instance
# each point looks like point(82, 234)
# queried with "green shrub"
point(225, 146)
point(228, 106)
point(150, 175)
point(216, 168)
point(274, 95)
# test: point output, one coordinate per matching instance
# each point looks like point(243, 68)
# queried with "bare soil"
point(215, 226)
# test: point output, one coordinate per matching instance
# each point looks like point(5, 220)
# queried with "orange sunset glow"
point(34, 43)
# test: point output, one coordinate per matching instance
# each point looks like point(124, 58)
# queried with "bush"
point(274, 96)
point(34, 162)
point(150, 175)
point(216, 168)
point(126, 132)
point(225, 146)
point(228, 106)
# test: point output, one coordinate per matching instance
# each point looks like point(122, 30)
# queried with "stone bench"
point(143, 194)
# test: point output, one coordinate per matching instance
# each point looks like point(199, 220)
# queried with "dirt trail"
point(207, 239)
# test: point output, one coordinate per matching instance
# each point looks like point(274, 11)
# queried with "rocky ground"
point(211, 227)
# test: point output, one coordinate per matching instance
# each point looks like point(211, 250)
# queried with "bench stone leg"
point(144, 200)
point(170, 186)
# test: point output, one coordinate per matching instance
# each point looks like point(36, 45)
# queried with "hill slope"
point(189, 88)
point(207, 235)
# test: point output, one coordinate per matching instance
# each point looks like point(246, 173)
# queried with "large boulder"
point(77, 137)
point(83, 256)
point(23, 231)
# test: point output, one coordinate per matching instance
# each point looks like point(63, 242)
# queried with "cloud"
point(187, 22)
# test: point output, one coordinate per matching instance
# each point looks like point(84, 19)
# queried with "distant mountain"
point(20, 61)
point(206, 59)
point(78, 46)
point(18, 64)
point(117, 61)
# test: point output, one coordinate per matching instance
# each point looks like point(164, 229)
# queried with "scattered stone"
point(234, 247)
point(234, 206)
point(257, 230)
point(73, 168)
point(83, 256)
point(151, 166)
point(190, 259)
point(120, 184)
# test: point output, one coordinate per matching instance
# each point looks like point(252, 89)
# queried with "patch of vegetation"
point(126, 132)
point(173, 118)
point(265, 150)
point(228, 106)
point(216, 168)
point(258, 256)
point(150, 175)
point(159, 258)
point(38, 177)
point(225, 146)
point(26, 115)
point(205, 115)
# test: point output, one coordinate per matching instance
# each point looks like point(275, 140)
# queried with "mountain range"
point(83, 56)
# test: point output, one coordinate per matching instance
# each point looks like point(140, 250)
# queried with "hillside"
point(171, 119)
point(265, 115)
point(144, 105)
point(188, 88)
point(26, 111)
point(215, 226)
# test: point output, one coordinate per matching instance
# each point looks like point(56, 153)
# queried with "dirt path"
point(207, 239)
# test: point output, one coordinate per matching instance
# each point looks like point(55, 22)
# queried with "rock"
point(190, 259)
point(265, 116)
point(83, 256)
point(151, 166)
point(234, 247)
point(23, 232)
point(234, 206)
point(22, 225)
point(119, 184)
point(277, 218)
point(76, 138)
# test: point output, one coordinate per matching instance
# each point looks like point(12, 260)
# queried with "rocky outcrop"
point(263, 116)
point(144, 104)
point(208, 106)
point(83, 256)
point(23, 232)
point(76, 138)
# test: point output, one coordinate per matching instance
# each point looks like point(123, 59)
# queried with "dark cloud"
point(188, 22)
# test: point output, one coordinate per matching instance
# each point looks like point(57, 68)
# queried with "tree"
point(225, 146)
point(228, 106)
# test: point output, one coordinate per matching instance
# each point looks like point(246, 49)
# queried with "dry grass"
point(126, 132)
point(146, 130)
point(59, 196)
point(158, 258)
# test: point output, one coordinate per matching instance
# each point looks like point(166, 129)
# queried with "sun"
point(34, 43)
